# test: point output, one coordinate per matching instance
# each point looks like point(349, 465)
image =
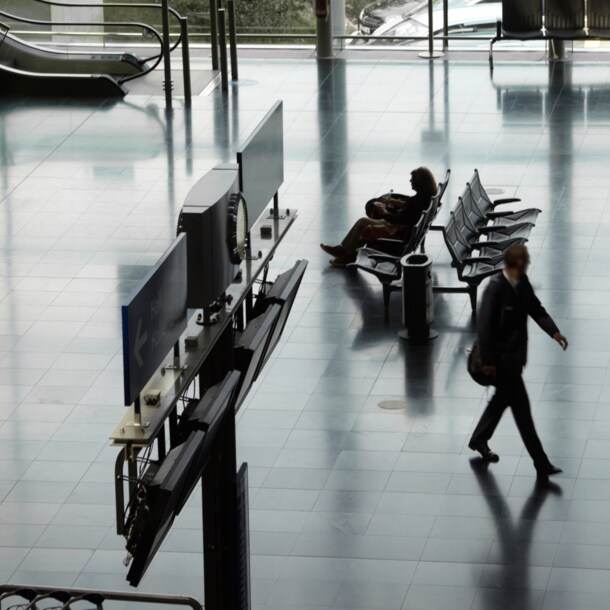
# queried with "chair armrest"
point(508, 230)
point(492, 215)
point(500, 245)
point(470, 260)
point(505, 200)
point(383, 256)
point(389, 242)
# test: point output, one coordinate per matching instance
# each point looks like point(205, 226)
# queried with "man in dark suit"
point(507, 302)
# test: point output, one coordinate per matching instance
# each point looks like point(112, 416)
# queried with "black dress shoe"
point(486, 453)
point(548, 471)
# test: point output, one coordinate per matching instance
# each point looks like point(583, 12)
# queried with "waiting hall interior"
point(198, 410)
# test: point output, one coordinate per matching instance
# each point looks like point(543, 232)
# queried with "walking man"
point(507, 302)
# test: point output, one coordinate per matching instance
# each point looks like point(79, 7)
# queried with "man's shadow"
point(514, 537)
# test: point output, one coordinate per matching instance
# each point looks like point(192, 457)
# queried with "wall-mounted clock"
point(237, 228)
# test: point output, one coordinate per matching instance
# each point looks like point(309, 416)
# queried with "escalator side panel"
point(19, 83)
point(32, 58)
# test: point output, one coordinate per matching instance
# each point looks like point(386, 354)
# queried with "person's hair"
point(424, 182)
point(515, 254)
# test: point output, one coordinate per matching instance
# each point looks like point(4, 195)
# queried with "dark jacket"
point(411, 210)
point(502, 322)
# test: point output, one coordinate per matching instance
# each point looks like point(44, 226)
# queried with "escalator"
point(56, 68)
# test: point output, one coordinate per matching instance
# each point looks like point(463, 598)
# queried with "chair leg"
point(472, 292)
point(387, 291)
point(491, 54)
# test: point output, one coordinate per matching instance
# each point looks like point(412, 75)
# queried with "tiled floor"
point(352, 506)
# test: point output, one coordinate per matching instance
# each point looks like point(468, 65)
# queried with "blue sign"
point(154, 318)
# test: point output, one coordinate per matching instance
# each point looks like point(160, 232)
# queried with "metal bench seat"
point(563, 20)
point(473, 226)
point(476, 242)
point(471, 270)
point(598, 18)
point(382, 259)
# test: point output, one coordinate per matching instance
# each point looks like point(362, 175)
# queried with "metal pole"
point(324, 36)
point(445, 25)
point(232, 39)
point(222, 43)
point(337, 8)
point(167, 84)
point(137, 406)
point(430, 53)
point(214, 33)
point(557, 49)
point(186, 60)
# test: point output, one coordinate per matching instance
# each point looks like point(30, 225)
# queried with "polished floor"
point(352, 506)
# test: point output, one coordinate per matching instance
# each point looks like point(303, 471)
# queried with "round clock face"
point(237, 225)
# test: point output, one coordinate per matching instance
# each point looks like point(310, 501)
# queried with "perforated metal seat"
point(522, 19)
point(471, 271)
point(474, 227)
point(564, 19)
point(483, 206)
point(598, 18)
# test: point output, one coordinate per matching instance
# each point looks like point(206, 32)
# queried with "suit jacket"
point(502, 322)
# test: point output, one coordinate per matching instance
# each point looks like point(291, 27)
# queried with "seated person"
point(388, 218)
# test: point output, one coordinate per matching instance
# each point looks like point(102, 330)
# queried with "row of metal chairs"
point(476, 236)
point(553, 19)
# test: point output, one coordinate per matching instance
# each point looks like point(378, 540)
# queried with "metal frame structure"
point(213, 342)
point(69, 596)
point(183, 377)
point(166, 46)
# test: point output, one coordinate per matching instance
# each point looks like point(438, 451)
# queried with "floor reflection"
point(510, 569)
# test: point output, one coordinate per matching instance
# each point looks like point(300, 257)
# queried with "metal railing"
point(110, 5)
point(156, 59)
point(4, 29)
point(26, 596)
point(166, 47)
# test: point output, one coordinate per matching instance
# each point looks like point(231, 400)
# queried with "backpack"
point(475, 367)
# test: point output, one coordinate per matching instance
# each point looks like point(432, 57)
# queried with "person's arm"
point(540, 315)
point(407, 214)
point(394, 202)
point(487, 325)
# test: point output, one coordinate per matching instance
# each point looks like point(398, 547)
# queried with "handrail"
point(4, 30)
point(159, 7)
point(28, 593)
point(125, 24)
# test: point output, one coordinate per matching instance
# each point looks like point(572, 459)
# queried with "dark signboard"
point(154, 318)
point(204, 219)
point(261, 163)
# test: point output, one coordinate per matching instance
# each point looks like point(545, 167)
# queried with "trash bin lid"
point(415, 260)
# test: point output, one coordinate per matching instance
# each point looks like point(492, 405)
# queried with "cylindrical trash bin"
point(417, 298)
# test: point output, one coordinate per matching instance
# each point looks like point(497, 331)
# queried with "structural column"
point(337, 14)
point(324, 29)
